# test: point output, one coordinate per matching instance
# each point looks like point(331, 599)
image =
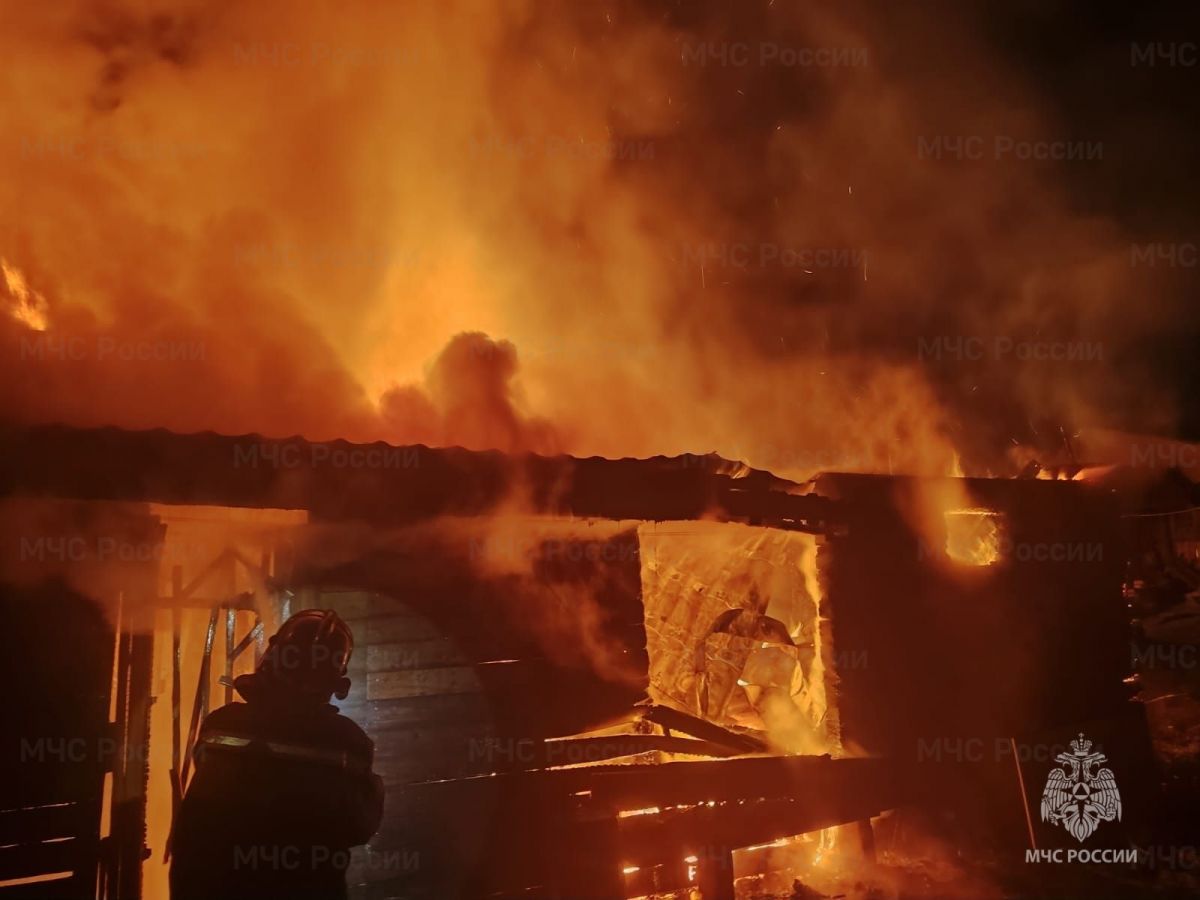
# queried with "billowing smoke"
point(805, 237)
point(468, 398)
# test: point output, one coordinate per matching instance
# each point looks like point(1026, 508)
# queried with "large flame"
point(282, 217)
point(28, 307)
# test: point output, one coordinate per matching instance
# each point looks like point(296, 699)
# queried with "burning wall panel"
point(735, 632)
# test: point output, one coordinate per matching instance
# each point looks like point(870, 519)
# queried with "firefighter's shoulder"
point(351, 735)
point(230, 717)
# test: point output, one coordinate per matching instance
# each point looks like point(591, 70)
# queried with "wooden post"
point(588, 865)
point(176, 664)
point(866, 839)
point(230, 619)
point(714, 873)
point(176, 697)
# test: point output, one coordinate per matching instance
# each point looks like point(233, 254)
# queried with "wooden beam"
point(414, 484)
point(700, 728)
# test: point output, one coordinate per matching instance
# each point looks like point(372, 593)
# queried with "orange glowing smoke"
point(280, 217)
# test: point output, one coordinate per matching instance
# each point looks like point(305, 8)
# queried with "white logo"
point(1080, 799)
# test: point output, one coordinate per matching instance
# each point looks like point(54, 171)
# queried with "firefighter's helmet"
point(310, 653)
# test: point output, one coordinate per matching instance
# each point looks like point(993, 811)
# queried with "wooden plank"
point(624, 787)
point(352, 606)
point(399, 779)
point(478, 640)
point(415, 711)
point(536, 698)
point(433, 760)
point(429, 765)
point(459, 754)
point(571, 751)
point(735, 779)
point(689, 724)
point(387, 629)
point(650, 839)
point(422, 683)
point(417, 654)
point(72, 886)
point(807, 793)
point(24, 860)
point(38, 823)
point(443, 730)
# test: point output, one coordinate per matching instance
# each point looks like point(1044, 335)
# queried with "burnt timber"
point(406, 484)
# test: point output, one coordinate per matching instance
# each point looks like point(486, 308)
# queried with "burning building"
point(584, 676)
point(636, 353)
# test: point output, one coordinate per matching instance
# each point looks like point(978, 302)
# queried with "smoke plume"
point(618, 228)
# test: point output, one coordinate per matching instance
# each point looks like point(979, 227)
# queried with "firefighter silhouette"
point(283, 785)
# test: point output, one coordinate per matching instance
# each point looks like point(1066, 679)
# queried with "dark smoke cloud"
point(468, 398)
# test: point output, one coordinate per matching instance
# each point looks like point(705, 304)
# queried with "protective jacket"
point(283, 789)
